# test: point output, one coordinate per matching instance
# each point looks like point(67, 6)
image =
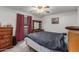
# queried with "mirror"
point(36, 24)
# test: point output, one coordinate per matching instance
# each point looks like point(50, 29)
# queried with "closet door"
point(20, 27)
point(29, 23)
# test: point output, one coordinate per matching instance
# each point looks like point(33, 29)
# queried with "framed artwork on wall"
point(55, 20)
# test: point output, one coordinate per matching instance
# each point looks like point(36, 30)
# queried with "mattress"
point(50, 40)
point(37, 47)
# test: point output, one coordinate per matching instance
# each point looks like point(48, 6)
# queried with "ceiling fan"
point(41, 9)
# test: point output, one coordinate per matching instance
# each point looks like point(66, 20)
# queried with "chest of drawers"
point(5, 37)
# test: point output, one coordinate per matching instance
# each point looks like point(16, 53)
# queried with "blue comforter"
point(51, 40)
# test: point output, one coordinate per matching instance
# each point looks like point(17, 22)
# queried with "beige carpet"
point(20, 47)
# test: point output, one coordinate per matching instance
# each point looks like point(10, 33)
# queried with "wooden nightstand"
point(73, 38)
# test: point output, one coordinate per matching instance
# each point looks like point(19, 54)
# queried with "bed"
point(46, 42)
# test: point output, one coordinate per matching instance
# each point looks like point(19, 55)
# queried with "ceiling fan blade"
point(32, 6)
point(46, 7)
point(47, 11)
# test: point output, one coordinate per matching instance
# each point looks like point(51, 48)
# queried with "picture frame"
point(55, 20)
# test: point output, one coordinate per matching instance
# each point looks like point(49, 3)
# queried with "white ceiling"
point(52, 9)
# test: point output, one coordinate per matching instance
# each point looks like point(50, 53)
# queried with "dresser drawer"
point(1, 37)
point(7, 37)
point(4, 41)
point(5, 46)
point(5, 33)
point(5, 29)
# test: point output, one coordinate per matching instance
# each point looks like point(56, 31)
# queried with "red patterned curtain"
point(29, 22)
point(20, 27)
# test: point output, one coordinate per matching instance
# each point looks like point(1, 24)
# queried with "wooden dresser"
point(5, 37)
point(73, 38)
point(38, 30)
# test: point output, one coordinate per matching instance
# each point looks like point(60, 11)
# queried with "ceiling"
point(52, 9)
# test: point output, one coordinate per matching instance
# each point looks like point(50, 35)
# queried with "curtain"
point(29, 23)
point(20, 27)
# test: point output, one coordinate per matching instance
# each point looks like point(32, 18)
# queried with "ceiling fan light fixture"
point(41, 9)
point(46, 7)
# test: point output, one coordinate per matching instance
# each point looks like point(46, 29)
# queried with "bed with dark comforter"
point(50, 40)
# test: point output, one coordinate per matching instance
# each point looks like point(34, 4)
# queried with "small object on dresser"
point(4, 26)
point(0, 24)
point(9, 25)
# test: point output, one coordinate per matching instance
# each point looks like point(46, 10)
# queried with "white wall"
point(65, 19)
point(8, 16)
point(78, 15)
